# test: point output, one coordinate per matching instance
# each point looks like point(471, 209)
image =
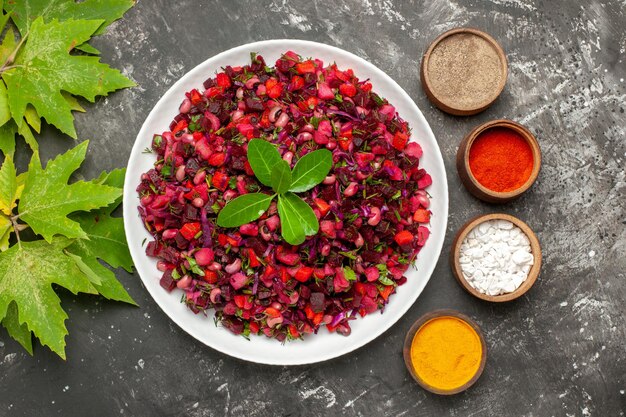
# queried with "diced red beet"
point(230, 308)
point(317, 301)
point(249, 229)
point(287, 258)
point(153, 249)
point(369, 304)
point(372, 273)
point(327, 227)
point(325, 128)
point(422, 235)
point(424, 182)
point(167, 282)
point(324, 92)
point(414, 150)
point(238, 280)
point(340, 283)
point(204, 256)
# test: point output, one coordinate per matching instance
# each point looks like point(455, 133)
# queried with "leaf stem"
point(7, 64)
point(11, 67)
point(17, 227)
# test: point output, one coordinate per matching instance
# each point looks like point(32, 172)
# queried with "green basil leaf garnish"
point(311, 169)
point(263, 156)
point(384, 279)
point(244, 209)
point(349, 273)
point(291, 228)
point(281, 177)
point(297, 218)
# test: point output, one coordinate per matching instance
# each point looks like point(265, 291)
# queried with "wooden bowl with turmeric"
point(498, 161)
point(445, 352)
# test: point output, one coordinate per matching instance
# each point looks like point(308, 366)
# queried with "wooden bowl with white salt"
point(490, 292)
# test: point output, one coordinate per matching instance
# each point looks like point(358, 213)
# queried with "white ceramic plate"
point(324, 345)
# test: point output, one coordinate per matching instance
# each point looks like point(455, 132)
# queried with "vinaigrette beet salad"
point(371, 207)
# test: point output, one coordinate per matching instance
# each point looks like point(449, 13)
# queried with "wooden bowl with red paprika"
point(498, 161)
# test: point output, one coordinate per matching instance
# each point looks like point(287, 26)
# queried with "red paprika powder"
point(501, 160)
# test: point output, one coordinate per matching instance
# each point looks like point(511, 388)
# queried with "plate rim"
point(129, 207)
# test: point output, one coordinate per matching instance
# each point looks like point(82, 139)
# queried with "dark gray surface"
point(560, 350)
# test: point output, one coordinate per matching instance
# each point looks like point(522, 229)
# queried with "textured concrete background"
point(558, 351)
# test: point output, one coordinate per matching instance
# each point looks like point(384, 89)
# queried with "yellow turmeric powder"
point(446, 352)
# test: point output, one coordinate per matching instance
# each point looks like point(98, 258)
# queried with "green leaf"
point(21, 180)
point(73, 102)
point(383, 279)
point(297, 218)
point(6, 228)
point(104, 178)
point(311, 169)
point(26, 11)
point(315, 121)
point(47, 199)
point(85, 269)
point(88, 49)
point(30, 140)
point(43, 68)
point(291, 230)
point(281, 177)
point(7, 137)
point(106, 241)
point(244, 209)
point(8, 45)
point(114, 178)
point(27, 272)
point(349, 273)
point(8, 186)
point(5, 113)
point(263, 156)
point(4, 18)
point(17, 331)
point(193, 266)
point(32, 118)
point(350, 255)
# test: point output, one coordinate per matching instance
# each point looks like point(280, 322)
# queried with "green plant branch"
point(42, 35)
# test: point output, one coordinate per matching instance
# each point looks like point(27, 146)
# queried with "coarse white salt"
point(496, 257)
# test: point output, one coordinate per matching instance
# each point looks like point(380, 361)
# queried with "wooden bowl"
point(408, 340)
point(468, 179)
point(462, 61)
point(534, 247)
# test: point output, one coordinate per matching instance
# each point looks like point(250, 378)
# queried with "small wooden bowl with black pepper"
point(464, 71)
